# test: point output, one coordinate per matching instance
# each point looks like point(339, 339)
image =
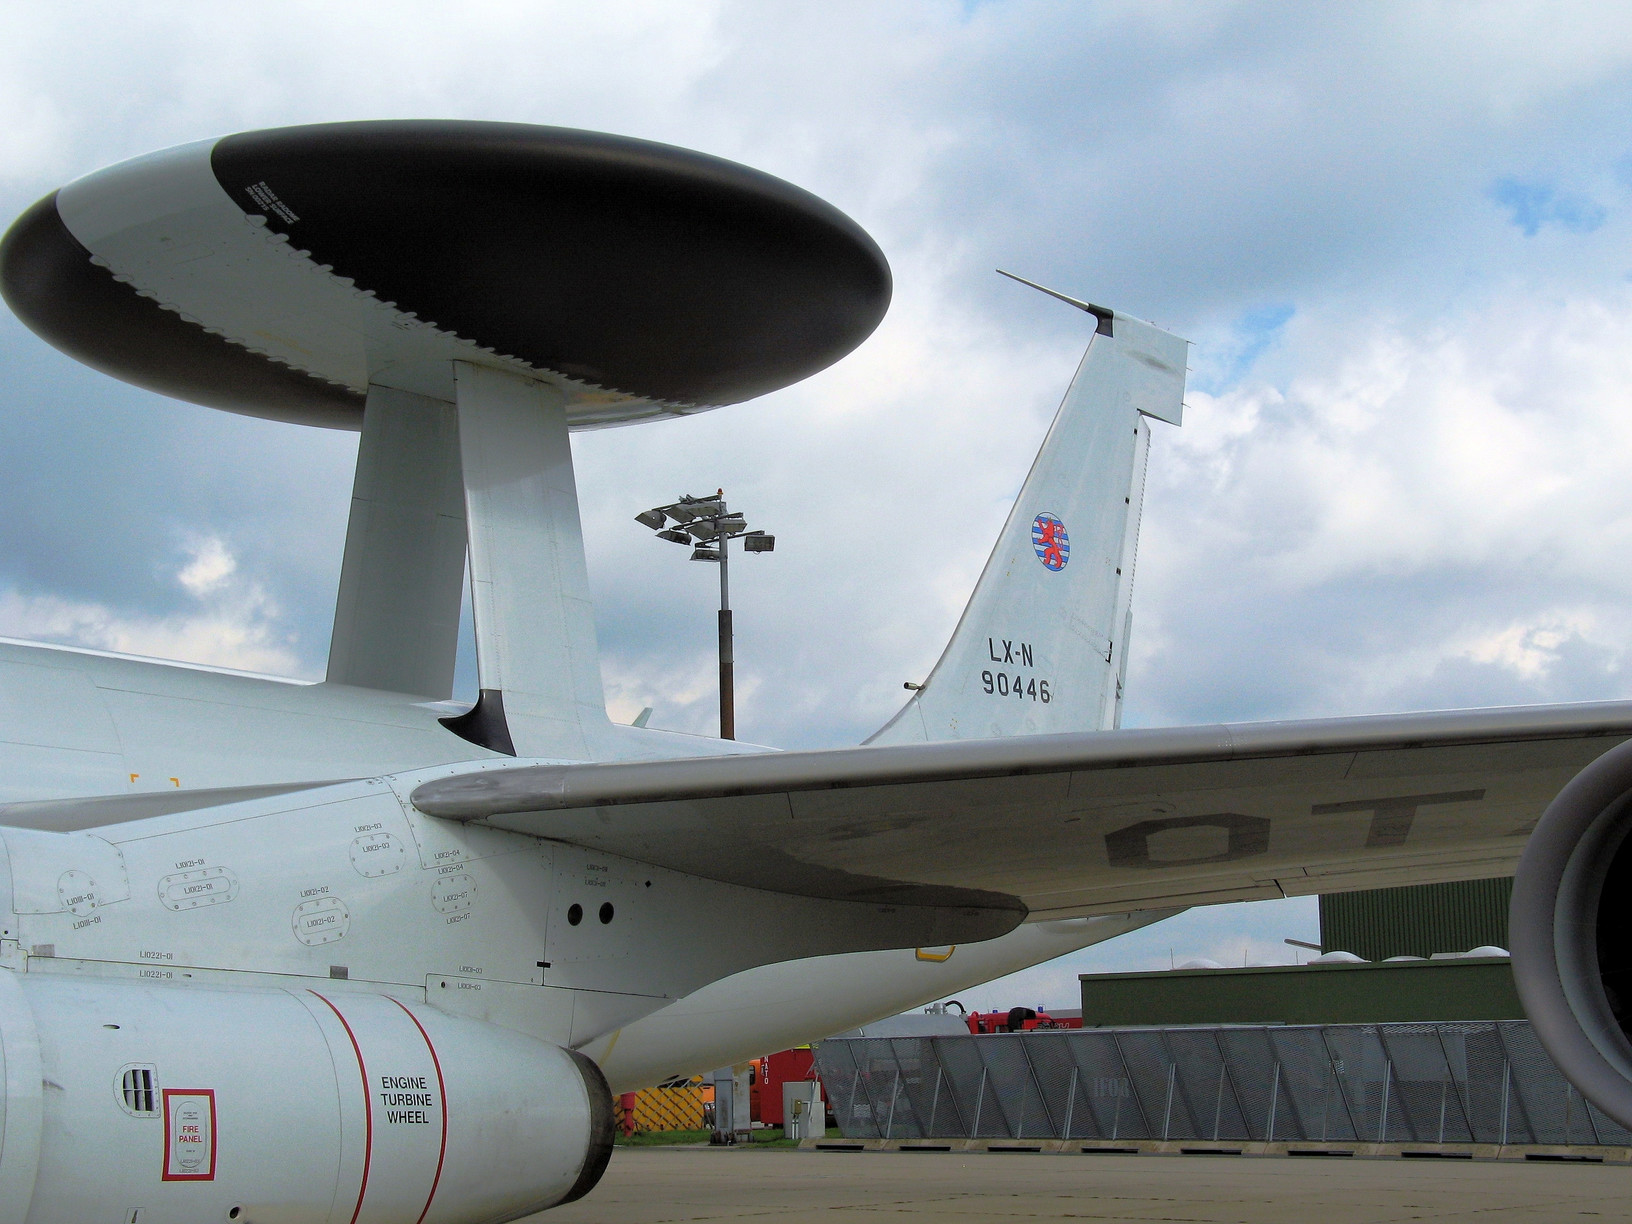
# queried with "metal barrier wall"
point(1462, 1082)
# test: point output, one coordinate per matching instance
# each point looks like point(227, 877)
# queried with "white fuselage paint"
point(295, 1105)
point(777, 1006)
point(350, 881)
point(279, 889)
point(77, 723)
point(482, 911)
point(194, 851)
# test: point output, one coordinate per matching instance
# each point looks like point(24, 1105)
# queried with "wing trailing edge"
point(1081, 823)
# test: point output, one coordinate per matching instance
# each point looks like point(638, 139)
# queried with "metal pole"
point(1464, 1091)
point(1167, 1113)
point(895, 1093)
point(1388, 1082)
point(1218, 1104)
point(1071, 1104)
point(1506, 1082)
point(1328, 1081)
point(728, 710)
point(1515, 1096)
point(1037, 1085)
point(980, 1099)
point(1127, 1078)
point(934, 1105)
point(1326, 1098)
point(850, 1112)
point(1274, 1100)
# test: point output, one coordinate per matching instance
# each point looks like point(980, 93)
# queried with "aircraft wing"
point(1087, 823)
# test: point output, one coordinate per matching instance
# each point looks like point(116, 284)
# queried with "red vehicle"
point(799, 1064)
point(1018, 1020)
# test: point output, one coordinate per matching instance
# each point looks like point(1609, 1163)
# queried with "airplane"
point(353, 951)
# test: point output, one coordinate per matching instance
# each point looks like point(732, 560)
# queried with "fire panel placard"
point(189, 1134)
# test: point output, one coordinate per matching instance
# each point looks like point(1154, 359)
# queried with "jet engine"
point(1571, 931)
point(139, 1101)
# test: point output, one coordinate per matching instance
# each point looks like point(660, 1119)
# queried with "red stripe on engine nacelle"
point(442, 1089)
point(368, 1108)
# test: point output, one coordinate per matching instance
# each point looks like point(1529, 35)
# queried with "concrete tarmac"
point(648, 1185)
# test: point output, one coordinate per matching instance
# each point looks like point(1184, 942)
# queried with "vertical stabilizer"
point(1042, 645)
point(536, 650)
point(396, 622)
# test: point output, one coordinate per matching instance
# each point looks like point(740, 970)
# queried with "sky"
point(1396, 234)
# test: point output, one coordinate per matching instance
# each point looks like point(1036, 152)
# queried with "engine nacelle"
point(134, 1102)
point(1571, 931)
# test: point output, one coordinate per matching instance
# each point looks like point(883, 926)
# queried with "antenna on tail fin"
point(1042, 645)
point(1100, 313)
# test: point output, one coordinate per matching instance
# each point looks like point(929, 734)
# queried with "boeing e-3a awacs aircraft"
point(353, 952)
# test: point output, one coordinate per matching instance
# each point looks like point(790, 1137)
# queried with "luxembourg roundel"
point(1048, 537)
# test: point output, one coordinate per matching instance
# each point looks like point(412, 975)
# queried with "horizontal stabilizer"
point(99, 811)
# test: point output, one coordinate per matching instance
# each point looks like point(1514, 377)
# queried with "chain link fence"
point(1467, 1082)
point(669, 1107)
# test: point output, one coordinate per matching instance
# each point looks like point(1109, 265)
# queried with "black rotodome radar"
point(640, 268)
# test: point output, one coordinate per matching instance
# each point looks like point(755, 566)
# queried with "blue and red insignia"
point(1049, 539)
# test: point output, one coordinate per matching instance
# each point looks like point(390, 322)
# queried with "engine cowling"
point(1571, 931)
point(136, 1102)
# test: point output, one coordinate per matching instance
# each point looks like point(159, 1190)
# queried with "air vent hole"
point(137, 1091)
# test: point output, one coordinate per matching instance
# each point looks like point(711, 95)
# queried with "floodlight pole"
point(714, 527)
point(728, 680)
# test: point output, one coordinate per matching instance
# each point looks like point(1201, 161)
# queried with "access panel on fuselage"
point(349, 887)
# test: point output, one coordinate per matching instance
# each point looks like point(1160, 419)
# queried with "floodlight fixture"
point(708, 525)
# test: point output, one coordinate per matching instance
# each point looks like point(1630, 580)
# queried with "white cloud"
point(885, 481)
point(1413, 496)
point(211, 566)
point(1529, 651)
point(1402, 501)
point(233, 623)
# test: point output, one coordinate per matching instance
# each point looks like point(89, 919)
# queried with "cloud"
point(1408, 505)
point(885, 481)
point(1535, 205)
point(211, 566)
point(1406, 492)
point(233, 623)
point(1228, 360)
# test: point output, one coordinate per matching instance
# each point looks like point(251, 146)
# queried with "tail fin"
point(1042, 645)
